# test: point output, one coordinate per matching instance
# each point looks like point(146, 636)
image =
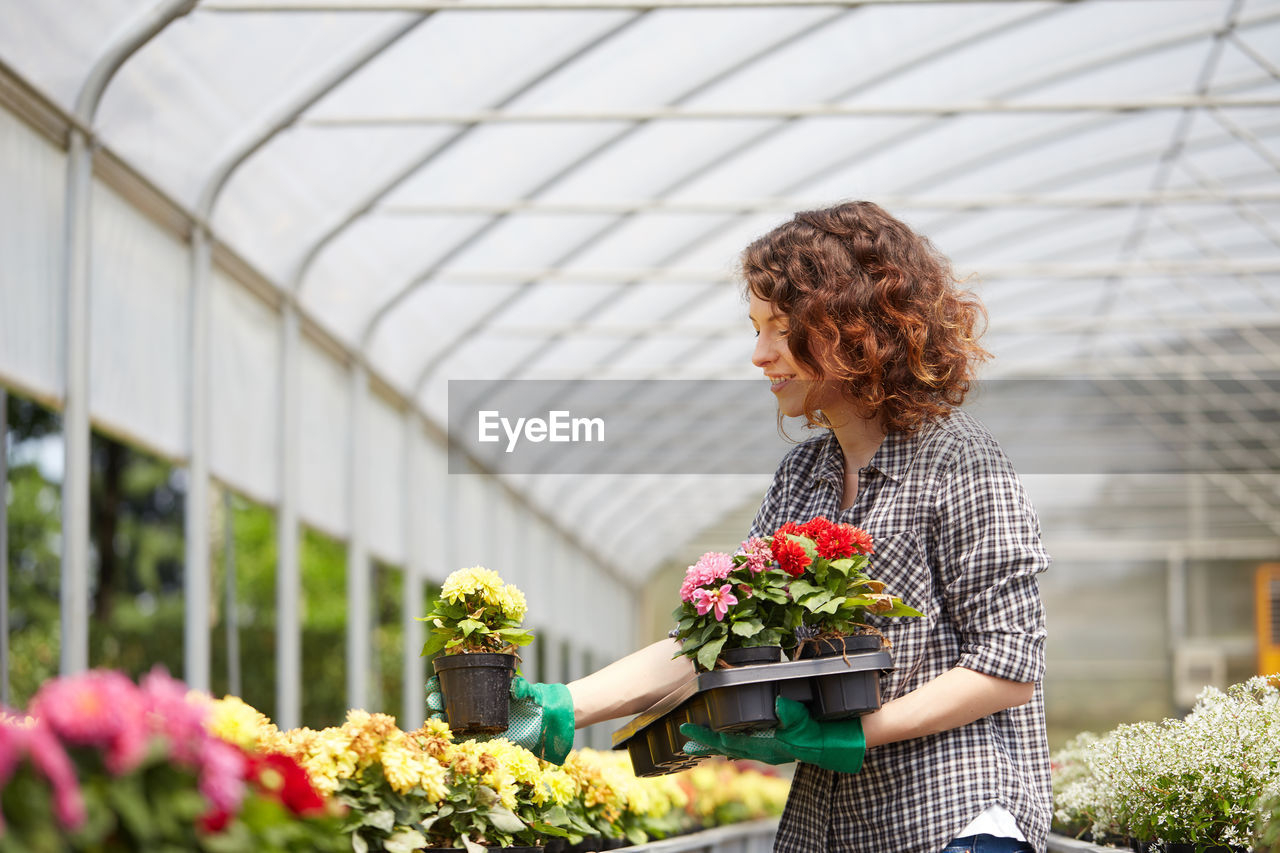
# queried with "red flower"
point(816, 527)
point(281, 776)
point(835, 542)
point(791, 556)
point(790, 528)
point(861, 540)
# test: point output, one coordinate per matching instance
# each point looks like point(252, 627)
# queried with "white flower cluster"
point(1197, 780)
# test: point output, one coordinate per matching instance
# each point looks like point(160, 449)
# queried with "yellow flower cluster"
point(712, 785)
point(487, 585)
point(607, 780)
point(238, 722)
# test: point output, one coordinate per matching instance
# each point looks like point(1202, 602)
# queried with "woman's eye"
point(782, 333)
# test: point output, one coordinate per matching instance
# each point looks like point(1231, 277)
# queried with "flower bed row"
point(100, 763)
point(1210, 781)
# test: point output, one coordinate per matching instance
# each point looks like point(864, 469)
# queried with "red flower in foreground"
point(835, 543)
point(790, 528)
point(861, 540)
point(791, 556)
point(284, 778)
point(817, 527)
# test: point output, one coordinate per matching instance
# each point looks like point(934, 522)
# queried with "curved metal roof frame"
point(1223, 322)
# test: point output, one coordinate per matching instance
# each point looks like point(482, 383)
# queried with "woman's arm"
point(956, 698)
point(629, 685)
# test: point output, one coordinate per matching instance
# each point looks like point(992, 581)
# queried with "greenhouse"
point(263, 264)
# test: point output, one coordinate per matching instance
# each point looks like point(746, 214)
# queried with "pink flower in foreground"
point(222, 771)
point(712, 566)
point(718, 600)
point(50, 759)
point(99, 708)
point(173, 715)
point(757, 553)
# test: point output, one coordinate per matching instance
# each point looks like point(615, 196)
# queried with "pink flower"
point(222, 771)
point(718, 600)
point(712, 566)
point(50, 759)
point(99, 708)
point(757, 553)
point(170, 713)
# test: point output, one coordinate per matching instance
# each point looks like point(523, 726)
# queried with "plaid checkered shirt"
point(957, 538)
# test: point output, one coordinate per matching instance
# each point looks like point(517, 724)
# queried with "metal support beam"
point(288, 576)
point(413, 674)
point(939, 110)
point(678, 275)
point(4, 548)
point(232, 615)
point(518, 5)
point(196, 541)
point(74, 591)
point(74, 653)
point(359, 582)
point(660, 207)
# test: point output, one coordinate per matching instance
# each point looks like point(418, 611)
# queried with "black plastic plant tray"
point(742, 698)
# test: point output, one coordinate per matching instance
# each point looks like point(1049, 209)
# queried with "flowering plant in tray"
point(476, 612)
point(804, 582)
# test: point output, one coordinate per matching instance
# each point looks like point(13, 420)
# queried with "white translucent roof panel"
point(371, 262)
point(468, 61)
point(54, 43)
point(223, 74)
point(645, 240)
point(631, 72)
point(303, 184)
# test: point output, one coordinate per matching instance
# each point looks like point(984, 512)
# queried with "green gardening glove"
point(837, 745)
point(540, 717)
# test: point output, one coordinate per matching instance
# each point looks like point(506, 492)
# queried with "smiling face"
point(788, 379)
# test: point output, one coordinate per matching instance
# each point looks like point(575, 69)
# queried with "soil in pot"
point(476, 691)
point(750, 657)
point(827, 646)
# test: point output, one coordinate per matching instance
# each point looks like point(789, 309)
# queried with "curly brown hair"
point(870, 302)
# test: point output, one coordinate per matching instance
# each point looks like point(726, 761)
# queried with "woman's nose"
point(763, 353)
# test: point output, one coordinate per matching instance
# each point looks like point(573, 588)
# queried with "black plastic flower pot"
point(742, 707)
point(828, 646)
point(751, 656)
point(476, 691)
point(838, 697)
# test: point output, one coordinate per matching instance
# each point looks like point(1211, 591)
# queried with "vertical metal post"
point(288, 577)
point(232, 611)
point(74, 655)
point(196, 575)
point(358, 574)
point(412, 672)
point(4, 547)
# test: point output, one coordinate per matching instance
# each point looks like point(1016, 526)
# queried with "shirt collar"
point(892, 457)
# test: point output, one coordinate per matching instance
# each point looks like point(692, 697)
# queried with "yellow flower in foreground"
point(512, 603)
point(238, 722)
point(466, 582)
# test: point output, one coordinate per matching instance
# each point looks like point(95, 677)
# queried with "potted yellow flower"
point(475, 629)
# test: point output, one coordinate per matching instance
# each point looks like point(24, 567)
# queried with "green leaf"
point(831, 606)
point(707, 654)
point(505, 820)
point(358, 844)
point(800, 588)
point(815, 600)
point(746, 628)
point(471, 846)
point(543, 828)
point(900, 609)
point(470, 626)
point(405, 841)
point(516, 636)
point(383, 819)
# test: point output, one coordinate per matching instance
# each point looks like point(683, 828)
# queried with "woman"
point(863, 331)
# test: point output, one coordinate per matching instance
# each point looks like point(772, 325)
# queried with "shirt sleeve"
point(986, 542)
